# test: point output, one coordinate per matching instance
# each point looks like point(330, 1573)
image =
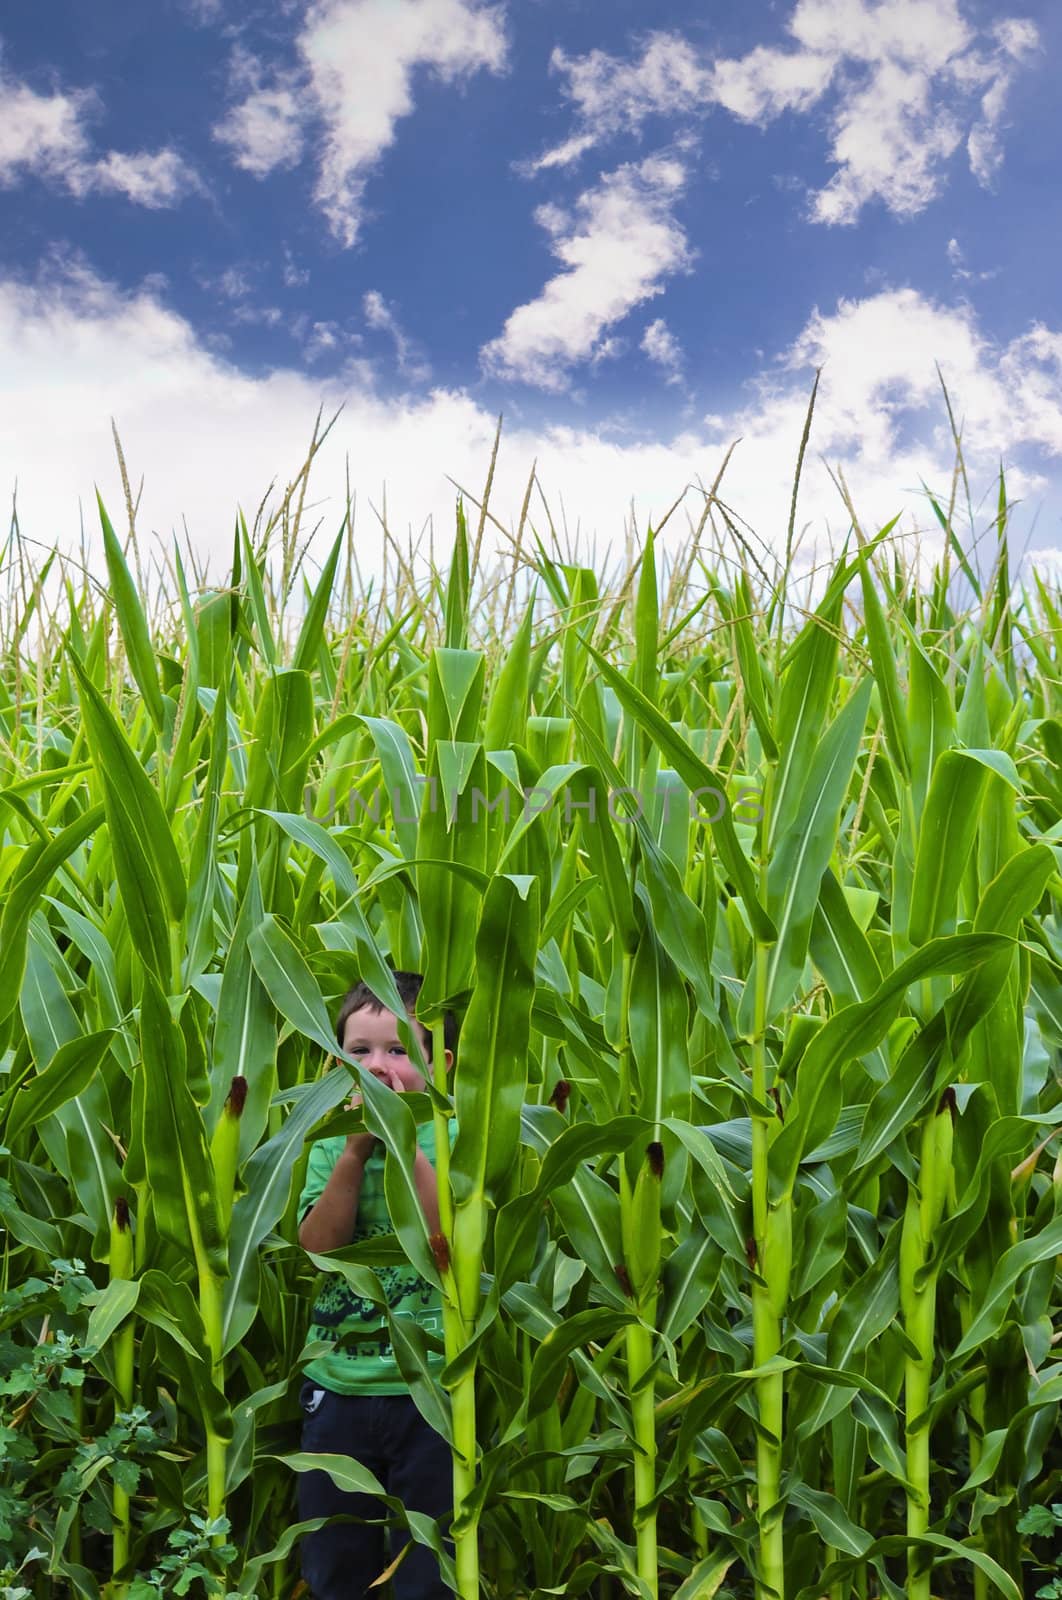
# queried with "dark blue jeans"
point(388, 1435)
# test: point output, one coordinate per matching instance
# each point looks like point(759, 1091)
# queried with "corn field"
point(746, 897)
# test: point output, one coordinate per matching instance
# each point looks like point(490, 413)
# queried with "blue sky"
point(635, 230)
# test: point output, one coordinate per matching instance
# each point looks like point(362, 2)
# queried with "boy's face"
point(371, 1037)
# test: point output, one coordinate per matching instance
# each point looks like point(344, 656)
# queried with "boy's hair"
point(361, 998)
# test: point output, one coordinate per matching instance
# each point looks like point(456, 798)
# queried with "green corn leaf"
point(839, 947)
point(883, 657)
point(945, 838)
point(202, 866)
point(311, 634)
point(179, 1168)
point(451, 830)
point(132, 622)
point(830, 1519)
point(70, 1070)
point(926, 1064)
point(931, 723)
point(409, 1342)
point(455, 695)
point(399, 769)
point(688, 1282)
point(712, 1191)
point(707, 1577)
point(697, 776)
point(506, 717)
point(252, 577)
point(658, 1023)
point(840, 1571)
point(749, 666)
point(114, 1303)
point(802, 856)
point(529, 1310)
point(491, 1082)
point(587, 1206)
point(554, 1352)
point(283, 729)
point(244, 1040)
point(286, 979)
point(679, 923)
point(147, 865)
point(22, 893)
point(74, 1134)
point(853, 1032)
point(1017, 1260)
point(347, 1473)
point(456, 621)
point(804, 696)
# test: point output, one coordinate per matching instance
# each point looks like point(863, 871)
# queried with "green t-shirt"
point(367, 1365)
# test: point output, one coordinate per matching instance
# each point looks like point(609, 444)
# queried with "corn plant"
point(744, 890)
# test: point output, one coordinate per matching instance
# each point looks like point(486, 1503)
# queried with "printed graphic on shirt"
point(338, 1308)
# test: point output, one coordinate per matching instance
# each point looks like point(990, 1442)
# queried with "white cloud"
point(234, 283)
point(923, 32)
point(959, 270)
point(890, 142)
point(40, 134)
point(662, 348)
point(45, 136)
point(361, 56)
point(264, 130)
point(610, 95)
point(294, 276)
point(258, 316)
point(204, 12)
point(156, 181)
point(561, 155)
point(609, 349)
point(760, 86)
point(357, 60)
point(323, 337)
point(617, 247)
point(381, 316)
point(1017, 41)
point(909, 81)
point(74, 351)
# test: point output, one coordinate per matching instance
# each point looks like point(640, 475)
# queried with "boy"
point(354, 1400)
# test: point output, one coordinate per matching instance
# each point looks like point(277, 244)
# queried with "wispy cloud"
point(354, 77)
point(380, 316)
point(294, 276)
point(959, 270)
point(263, 130)
point(46, 136)
point(323, 338)
point(1016, 41)
point(611, 96)
point(156, 181)
point(663, 349)
point(204, 12)
point(617, 246)
point(234, 283)
point(909, 81)
point(42, 134)
point(252, 316)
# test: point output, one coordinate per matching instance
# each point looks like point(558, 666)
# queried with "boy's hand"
point(360, 1144)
